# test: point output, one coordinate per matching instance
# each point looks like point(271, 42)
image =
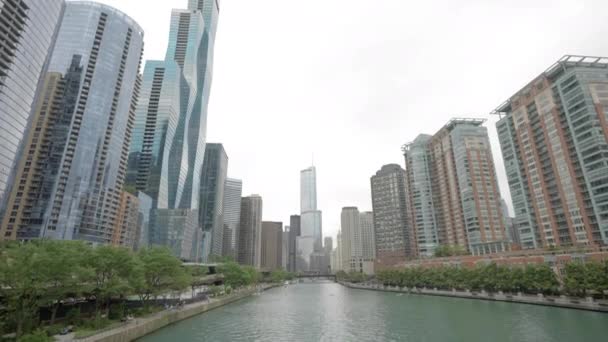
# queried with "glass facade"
point(29, 28)
point(91, 175)
point(156, 119)
point(213, 178)
point(311, 223)
point(233, 191)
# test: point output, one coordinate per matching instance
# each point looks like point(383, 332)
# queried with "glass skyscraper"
point(233, 191)
point(215, 171)
point(167, 154)
point(28, 32)
point(310, 239)
point(74, 181)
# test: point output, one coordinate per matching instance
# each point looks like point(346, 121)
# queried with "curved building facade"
point(29, 28)
point(86, 113)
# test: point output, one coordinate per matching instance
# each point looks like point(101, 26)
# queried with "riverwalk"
point(587, 304)
point(143, 326)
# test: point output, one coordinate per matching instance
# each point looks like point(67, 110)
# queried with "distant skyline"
point(351, 83)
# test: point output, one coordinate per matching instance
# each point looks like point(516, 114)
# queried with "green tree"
point(112, 271)
point(22, 282)
point(63, 272)
point(161, 272)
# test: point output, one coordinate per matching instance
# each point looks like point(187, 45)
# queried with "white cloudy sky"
point(353, 80)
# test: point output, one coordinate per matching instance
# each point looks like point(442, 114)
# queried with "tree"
point(62, 271)
point(111, 268)
point(22, 282)
point(160, 271)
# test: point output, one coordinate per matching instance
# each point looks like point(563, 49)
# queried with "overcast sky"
point(353, 80)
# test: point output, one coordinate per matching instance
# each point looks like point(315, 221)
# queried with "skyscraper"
point(311, 225)
point(352, 253)
point(464, 189)
point(233, 190)
point(166, 159)
point(271, 246)
point(250, 231)
point(368, 245)
point(125, 228)
point(211, 217)
point(392, 234)
point(421, 213)
point(156, 118)
point(24, 54)
point(294, 233)
point(554, 138)
point(76, 188)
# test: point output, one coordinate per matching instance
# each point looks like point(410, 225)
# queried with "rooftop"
point(557, 69)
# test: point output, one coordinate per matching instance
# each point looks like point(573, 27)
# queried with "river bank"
point(143, 326)
point(587, 304)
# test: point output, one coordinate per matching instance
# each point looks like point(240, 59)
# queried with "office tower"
point(352, 252)
point(420, 213)
point(126, 226)
point(142, 237)
point(554, 138)
point(167, 154)
point(368, 245)
point(328, 248)
point(271, 246)
point(233, 190)
point(391, 232)
point(311, 225)
point(337, 256)
point(294, 233)
point(175, 229)
point(156, 119)
point(211, 217)
point(285, 248)
point(464, 189)
point(250, 231)
point(29, 28)
point(77, 172)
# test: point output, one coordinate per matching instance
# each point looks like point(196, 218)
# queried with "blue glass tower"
point(168, 150)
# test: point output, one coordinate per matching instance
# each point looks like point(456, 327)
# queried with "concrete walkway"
point(588, 304)
point(140, 327)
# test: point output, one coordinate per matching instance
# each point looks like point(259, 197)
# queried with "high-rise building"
point(175, 229)
point(125, 228)
point(421, 214)
point(554, 138)
point(368, 245)
point(250, 231)
point(285, 248)
point(464, 189)
point(271, 246)
point(352, 253)
point(328, 248)
point(310, 240)
point(294, 233)
point(233, 190)
point(29, 28)
point(156, 119)
point(392, 234)
point(211, 217)
point(337, 259)
point(167, 155)
point(74, 180)
point(142, 237)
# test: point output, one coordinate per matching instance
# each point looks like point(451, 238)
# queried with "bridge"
point(316, 276)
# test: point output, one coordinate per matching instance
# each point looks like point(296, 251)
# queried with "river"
point(330, 312)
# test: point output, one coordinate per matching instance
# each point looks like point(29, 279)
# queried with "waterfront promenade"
point(588, 304)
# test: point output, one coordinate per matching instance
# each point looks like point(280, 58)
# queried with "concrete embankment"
point(588, 304)
point(144, 326)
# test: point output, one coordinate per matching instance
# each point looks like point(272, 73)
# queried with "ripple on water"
point(330, 312)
